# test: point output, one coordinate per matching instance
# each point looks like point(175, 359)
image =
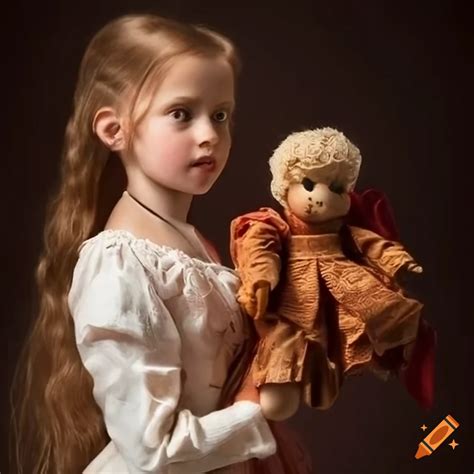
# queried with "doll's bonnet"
point(309, 150)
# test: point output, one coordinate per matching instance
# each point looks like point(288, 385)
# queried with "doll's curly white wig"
point(310, 149)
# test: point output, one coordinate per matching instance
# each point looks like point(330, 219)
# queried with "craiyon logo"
point(437, 436)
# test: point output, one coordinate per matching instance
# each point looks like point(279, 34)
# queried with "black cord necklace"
point(151, 211)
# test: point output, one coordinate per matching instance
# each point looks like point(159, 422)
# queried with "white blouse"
point(157, 331)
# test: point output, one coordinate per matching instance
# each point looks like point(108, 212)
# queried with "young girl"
point(133, 363)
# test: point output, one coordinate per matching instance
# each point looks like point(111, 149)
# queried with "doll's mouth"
point(308, 209)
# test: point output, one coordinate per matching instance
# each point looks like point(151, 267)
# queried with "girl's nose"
point(206, 133)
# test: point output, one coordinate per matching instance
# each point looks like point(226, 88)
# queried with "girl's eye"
point(181, 115)
point(308, 184)
point(336, 188)
point(221, 116)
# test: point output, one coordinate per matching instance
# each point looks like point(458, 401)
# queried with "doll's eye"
point(337, 188)
point(308, 184)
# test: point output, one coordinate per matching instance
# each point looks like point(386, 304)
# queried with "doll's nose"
point(319, 203)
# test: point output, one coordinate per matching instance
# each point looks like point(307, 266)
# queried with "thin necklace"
point(151, 211)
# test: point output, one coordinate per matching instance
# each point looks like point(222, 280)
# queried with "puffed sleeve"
point(130, 345)
point(255, 246)
point(388, 255)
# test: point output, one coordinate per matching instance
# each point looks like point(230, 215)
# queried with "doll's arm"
point(256, 243)
point(388, 255)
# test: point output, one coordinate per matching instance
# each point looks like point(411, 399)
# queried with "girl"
point(133, 363)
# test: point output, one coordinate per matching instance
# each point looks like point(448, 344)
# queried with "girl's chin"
point(202, 191)
point(204, 186)
point(192, 189)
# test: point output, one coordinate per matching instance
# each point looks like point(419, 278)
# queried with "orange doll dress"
point(339, 307)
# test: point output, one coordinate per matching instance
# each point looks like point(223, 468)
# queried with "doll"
point(325, 295)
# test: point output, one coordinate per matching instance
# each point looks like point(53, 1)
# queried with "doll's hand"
point(414, 268)
point(407, 275)
point(246, 301)
point(254, 301)
point(410, 267)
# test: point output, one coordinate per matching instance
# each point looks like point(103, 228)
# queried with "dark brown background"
point(395, 77)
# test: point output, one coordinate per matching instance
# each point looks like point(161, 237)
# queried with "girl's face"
point(184, 140)
point(318, 196)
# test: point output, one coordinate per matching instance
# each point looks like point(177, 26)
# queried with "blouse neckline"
point(153, 246)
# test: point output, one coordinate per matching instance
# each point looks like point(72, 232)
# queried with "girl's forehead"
point(196, 76)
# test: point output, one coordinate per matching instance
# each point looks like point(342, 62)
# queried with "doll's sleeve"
point(129, 343)
point(255, 246)
point(388, 255)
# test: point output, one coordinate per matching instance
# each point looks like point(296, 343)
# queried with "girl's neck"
point(170, 204)
point(138, 218)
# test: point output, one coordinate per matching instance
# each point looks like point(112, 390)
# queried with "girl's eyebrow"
point(195, 100)
point(183, 100)
point(229, 103)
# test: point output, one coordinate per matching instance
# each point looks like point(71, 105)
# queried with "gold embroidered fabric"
point(336, 316)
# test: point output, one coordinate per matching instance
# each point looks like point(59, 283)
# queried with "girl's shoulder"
point(143, 249)
point(120, 255)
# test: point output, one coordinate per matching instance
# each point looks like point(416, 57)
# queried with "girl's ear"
point(108, 127)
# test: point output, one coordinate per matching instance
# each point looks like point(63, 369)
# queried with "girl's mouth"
point(206, 163)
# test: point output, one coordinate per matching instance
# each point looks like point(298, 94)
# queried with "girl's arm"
point(129, 343)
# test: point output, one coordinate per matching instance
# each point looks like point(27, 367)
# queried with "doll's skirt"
point(335, 318)
point(288, 353)
point(291, 353)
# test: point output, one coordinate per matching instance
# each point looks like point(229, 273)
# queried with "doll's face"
point(188, 120)
point(318, 196)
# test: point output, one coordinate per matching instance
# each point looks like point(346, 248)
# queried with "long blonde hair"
point(56, 424)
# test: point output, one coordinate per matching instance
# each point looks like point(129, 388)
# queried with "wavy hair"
point(56, 424)
point(321, 149)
